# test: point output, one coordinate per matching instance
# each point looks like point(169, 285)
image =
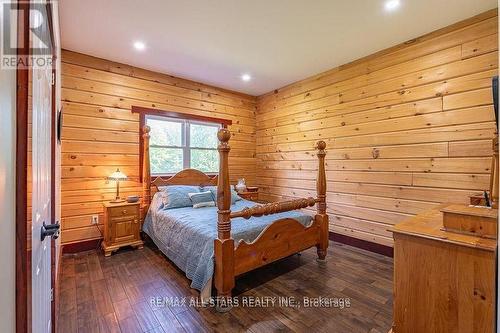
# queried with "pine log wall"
point(100, 133)
point(406, 128)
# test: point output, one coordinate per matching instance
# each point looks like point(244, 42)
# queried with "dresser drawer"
point(124, 212)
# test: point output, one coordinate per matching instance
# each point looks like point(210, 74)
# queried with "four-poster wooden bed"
point(280, 239)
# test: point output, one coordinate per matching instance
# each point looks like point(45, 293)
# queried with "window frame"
point(185, 140)
point(143, 111)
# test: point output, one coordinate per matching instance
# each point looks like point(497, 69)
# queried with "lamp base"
point(117, 201)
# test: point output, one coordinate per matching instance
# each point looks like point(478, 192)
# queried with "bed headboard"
point(185, 177)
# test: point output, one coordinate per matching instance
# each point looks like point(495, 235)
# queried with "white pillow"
point(202, 199)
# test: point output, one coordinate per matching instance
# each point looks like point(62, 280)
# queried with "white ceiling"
point(277, 41)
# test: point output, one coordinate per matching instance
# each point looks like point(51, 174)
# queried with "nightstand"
point(250, 195)
point(122, 226)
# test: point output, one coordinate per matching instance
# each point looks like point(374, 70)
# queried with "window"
point(177, 144)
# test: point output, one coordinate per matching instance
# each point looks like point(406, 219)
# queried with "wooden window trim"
point(170, 114)
point(143, 112)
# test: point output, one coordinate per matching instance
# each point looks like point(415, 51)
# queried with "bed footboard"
point(280, 239)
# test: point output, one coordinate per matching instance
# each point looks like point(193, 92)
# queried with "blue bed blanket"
point(186, 235)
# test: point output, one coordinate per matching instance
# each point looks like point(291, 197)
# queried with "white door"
point(41, 194)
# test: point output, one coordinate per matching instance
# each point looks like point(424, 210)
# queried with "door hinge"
point(51, 294)
point(53, 79)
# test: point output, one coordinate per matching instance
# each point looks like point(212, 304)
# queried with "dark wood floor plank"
point(192, 321)
point(68, 270)
point(99, 287)
point(109, 324)
point(86, 314)
point(145, 316)
point(91, 326)
point(116, 294)
point(115, 288)
point(134, 294)
point(103, 303)
point(67, 322)
point(67, 282)
point(67, 301)
point(83, 289)
point(94, 267)
point(156, 330)
point(123, 309)
point(167, 320)
point(149, 290)
point(130, 325)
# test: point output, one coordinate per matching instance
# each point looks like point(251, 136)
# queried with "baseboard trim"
point(388, 251)
point(82, 246)
point(362, 244)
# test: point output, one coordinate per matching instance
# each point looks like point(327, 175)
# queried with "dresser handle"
point(124, 211)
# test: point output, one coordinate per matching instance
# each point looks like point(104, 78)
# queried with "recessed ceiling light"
point(139, 46)
point(391, 5)
point(246, 77)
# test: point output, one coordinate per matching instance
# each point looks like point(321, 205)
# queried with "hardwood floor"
point(114, 294)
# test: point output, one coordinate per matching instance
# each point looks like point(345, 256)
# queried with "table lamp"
point(117, 175)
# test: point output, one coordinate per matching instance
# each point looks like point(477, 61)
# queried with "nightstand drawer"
point(128, 211)
point(252, 196)
point(119, 219)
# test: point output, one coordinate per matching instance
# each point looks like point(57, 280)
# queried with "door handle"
point(50, 230)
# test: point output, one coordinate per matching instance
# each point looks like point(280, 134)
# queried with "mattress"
point(186, 235)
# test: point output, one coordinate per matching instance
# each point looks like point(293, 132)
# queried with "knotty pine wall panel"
point(406, 128)
point(100, 133)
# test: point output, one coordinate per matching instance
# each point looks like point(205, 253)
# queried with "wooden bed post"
point(146, 172)
point(321, 215)
point(224, 244)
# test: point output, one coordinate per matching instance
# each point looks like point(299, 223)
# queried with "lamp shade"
point(117, 175)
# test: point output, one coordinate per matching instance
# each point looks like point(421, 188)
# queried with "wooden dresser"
point(443, 281)
point(122, 226)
